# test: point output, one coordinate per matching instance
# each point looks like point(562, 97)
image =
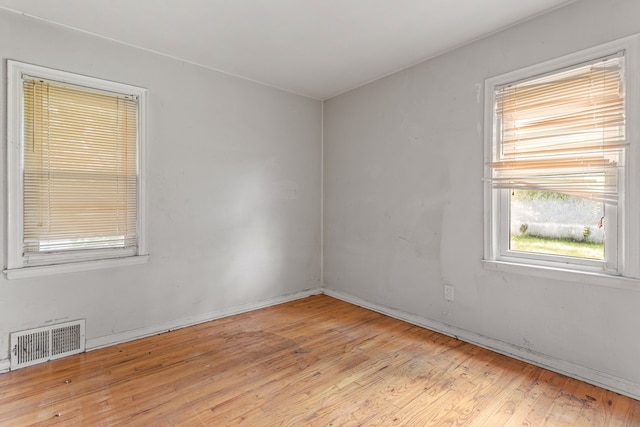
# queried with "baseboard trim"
point(121, 337)
point(5, 365)
point(591, 376)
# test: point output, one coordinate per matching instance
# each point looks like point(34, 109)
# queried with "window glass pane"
point(81, 244)
point(556, 224)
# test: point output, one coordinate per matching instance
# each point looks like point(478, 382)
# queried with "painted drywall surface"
point(233, 190)
point(403, 207)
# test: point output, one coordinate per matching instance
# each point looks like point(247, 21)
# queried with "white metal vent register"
point(47, 343)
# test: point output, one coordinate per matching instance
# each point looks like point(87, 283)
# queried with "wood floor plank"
point(316, 361)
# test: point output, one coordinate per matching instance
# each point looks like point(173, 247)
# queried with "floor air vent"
point(47, 343)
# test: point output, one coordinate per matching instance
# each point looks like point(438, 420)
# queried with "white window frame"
point(81, 260)
point(622, 259)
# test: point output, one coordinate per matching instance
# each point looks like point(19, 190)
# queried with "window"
point(75, 168)
point(561, 162)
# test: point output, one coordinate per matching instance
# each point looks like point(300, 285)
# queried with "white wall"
point(403, 207)
point(233, 194)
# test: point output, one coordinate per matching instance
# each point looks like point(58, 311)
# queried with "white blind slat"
point(80, 168)
point(563, 132)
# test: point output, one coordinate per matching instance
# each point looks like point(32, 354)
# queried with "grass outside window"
point(563, 247)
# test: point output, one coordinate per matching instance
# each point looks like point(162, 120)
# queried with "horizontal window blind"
point(80, 168)
point(563, 132)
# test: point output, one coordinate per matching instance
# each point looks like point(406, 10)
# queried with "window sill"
point(46, 270)
point(556, 273)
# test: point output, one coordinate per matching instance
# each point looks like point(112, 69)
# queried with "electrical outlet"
point(449, 292)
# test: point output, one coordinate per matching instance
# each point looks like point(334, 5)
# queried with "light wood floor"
point(315, 361)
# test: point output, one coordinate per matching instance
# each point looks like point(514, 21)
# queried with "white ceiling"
point(317, 48)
